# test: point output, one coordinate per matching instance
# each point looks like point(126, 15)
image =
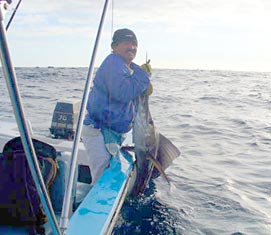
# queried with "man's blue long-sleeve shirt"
point(112, 101)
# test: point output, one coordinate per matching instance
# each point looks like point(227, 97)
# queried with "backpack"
point(20, 204)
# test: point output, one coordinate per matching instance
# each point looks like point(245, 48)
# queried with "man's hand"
point(147, 67)
point(150, 89)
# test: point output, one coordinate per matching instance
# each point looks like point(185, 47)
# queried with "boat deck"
point(101, 206)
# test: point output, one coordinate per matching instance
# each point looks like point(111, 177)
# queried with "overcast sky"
point(180, 34)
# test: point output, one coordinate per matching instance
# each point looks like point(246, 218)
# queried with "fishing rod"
point(13, 14)
point(68, 192)
point(12, 85)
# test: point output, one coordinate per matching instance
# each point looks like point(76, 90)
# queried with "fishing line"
point(13, 13)
point(112, 26)
point(112, 17)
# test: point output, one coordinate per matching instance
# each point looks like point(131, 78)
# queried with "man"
point(112, 102)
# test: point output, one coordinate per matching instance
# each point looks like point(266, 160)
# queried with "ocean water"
point(220, 121)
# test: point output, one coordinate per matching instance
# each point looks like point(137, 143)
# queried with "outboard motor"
point(64, 120)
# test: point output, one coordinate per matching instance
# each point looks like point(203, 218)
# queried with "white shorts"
point(98, 155)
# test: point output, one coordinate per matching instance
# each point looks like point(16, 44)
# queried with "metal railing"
point(12, 85)
point(67, 198)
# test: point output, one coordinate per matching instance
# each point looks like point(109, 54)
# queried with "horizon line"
point(191, 69)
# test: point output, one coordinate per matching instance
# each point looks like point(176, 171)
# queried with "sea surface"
point(220, 121)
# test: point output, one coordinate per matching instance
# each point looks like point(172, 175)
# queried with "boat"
point(72, 206)
point(45, 183)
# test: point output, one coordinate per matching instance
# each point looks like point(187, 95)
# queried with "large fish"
point(151, 148)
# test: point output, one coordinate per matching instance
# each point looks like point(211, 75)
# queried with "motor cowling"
point(65, 119)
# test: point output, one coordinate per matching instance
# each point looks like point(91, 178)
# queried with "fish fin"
point(158, 166)
point(167, 152)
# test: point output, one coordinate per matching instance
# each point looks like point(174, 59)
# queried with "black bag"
point(19, 200)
